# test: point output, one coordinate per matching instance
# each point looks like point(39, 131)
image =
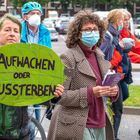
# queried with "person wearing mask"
point(33, 31)
point(80, 113)
point(134, 54)
point(115, 51)
point(14, 120)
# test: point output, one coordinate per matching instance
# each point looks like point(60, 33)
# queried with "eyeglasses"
point(89, 29)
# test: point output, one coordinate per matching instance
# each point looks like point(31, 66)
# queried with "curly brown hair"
point(81, 18)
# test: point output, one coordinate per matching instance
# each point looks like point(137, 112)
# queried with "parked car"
point(48, 23)
point(137, 33)
point(53, 15)
point(102, 14)
point(137, 27)
point(61, 25)
point(54, 34)
point(65, 15)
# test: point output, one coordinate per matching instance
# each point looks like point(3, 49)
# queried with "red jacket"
point(134, 54)
point(116, 60)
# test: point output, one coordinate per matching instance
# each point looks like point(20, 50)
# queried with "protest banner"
point(29, 74)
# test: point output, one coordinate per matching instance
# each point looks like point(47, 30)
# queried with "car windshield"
point(137, 20)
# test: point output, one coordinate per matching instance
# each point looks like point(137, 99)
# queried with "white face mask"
point(34, 20)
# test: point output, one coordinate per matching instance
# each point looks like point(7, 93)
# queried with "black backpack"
point(13, 122)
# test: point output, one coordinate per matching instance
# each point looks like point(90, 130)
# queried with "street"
point(59, 47)
point(130, 124)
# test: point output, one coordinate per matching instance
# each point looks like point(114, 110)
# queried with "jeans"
point(37, 115)
point(37, 112)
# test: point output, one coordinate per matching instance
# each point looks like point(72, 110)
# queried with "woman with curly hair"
point(80, 113)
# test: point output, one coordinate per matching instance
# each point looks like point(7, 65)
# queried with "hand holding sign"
point(29, 74)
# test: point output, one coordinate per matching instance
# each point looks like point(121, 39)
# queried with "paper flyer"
point(112, 79)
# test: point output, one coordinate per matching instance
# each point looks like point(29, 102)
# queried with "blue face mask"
point(120, 27)
point(90, 38)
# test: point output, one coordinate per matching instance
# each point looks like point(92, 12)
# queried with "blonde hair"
point(115, 15)
point(11, 18)
point(126, 13)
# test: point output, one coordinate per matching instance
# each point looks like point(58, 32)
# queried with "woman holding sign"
point(14, 120)
point(80, 114)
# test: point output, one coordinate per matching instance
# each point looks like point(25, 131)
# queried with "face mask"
point(34, 20)
point(120, 27)
point(90, 38)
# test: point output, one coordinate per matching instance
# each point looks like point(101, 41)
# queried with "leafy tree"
point(94, 4)
point(19, 3)
point(65, 4)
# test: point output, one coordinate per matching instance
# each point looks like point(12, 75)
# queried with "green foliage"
point(134, 99)
point(110, 112)
point(93, 4)
point(20, 3)
point(65, 4)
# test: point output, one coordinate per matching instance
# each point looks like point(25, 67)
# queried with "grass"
point(134, 96)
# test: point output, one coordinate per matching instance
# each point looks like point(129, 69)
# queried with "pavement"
point(135, 67)
point(130, 124)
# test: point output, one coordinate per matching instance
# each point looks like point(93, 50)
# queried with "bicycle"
point(39, 130)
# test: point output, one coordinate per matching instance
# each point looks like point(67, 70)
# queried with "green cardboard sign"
point(29, 74)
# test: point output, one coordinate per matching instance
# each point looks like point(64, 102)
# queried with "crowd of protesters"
point(94, 48)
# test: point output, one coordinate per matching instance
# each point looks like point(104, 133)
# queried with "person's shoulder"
point(70, 52)
point(43, 28)
point(99, 51)
point(23, 23)
point(68, 58)
point(108, 36)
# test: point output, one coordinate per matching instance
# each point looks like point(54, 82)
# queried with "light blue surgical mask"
point(90, 38)
point(120, 27)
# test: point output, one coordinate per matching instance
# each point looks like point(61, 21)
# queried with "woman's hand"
point(100, 91)
point(59, 90)
point(113, 91)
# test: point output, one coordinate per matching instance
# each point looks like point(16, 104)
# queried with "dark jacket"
point(119, 60)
